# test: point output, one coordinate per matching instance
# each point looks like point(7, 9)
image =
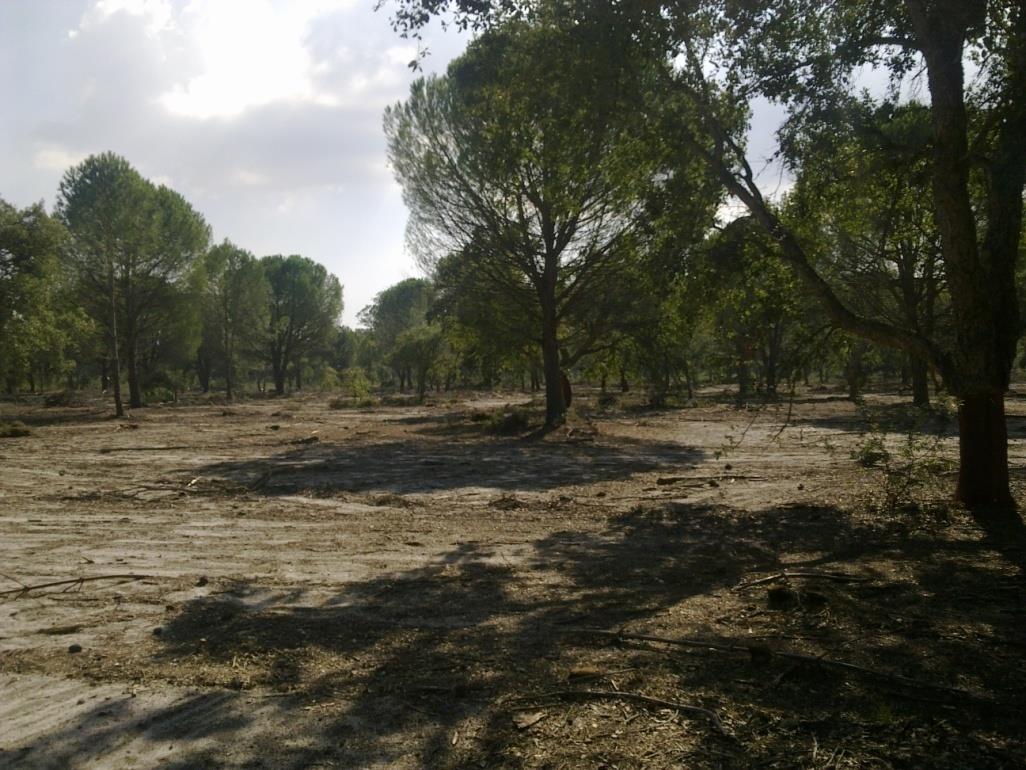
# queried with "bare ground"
point(398, 588)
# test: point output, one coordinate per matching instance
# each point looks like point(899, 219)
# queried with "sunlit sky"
point(264, 114)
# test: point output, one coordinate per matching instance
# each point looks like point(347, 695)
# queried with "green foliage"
point(907, 468)
point(235, 309)
point(527, 170)
point(305, 302)
point(872, 452)
point(134, 250)
point(355, 382)
point(39, 327)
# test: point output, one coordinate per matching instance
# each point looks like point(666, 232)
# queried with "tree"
point(756, 303)
point(805, 54)
point(858, 198)
point(526, 162)
point(398, 309)
point(304, 305)
point(38, 326)
point(236, 305)
point(133, 248)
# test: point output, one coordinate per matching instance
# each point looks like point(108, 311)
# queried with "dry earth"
point(400, 588)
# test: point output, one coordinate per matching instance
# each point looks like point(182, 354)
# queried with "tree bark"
point(555, 408)
point(981, 282)
point(134, 389)
point(983, 453)
point(115, 358)
point(920, 383)
point(279, 378)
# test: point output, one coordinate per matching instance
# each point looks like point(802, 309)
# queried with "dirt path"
point(398, 588)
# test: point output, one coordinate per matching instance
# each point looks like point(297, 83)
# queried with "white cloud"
point(157, 13)
point(264, 114)
point(251, 178)
point(56, 158)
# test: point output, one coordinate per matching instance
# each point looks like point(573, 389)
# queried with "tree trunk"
point(229, 358)
point(134, 389)
point(229, 384)
point(920, 383)
point(983, 453)
point(981, 281)
point(119, 407)
point(279, 378)
point(555, 408)
point(744, 384)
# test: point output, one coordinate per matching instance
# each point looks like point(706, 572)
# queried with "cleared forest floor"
point(398, 587)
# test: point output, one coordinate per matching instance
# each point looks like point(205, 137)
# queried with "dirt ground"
point(399, 587)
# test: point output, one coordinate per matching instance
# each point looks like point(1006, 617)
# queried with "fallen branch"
point(108, 449)
point(636, 698)
point(838, 577)
point(762, 652)
point(70, 582)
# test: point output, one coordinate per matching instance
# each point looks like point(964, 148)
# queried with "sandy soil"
point(399, 588)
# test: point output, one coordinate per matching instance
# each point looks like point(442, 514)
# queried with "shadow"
point(889, 417)
point(1004, 531)
point(403, 467)
point(426, 667)
point(42, 417)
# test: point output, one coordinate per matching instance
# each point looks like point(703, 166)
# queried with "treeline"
point(121, 283)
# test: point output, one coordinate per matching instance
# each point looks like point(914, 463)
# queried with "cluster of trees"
point(549, 166)
point(121, 282)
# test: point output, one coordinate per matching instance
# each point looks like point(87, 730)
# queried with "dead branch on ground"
point(637, 698)
point(69, 583)
point(762, 652)
point(838, 577)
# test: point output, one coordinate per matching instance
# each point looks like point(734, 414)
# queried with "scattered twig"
point(762, 652)
point(108, 449)
point(838, 577)
point(704, 479)
point(637, 698)
point(12, 579)
point(70, 582)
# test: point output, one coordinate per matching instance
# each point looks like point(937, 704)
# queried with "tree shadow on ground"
point(421, 465)
point(38, 417)
point(425, 668)
point(887, 417)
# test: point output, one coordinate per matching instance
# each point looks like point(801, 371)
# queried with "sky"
point(265, 114)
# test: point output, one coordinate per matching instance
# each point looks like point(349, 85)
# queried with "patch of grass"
point(14, 429)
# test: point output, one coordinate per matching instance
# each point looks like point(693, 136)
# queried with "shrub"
point(906, 469)
point(509, 423)
point(355, 382)
point(13, 429)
